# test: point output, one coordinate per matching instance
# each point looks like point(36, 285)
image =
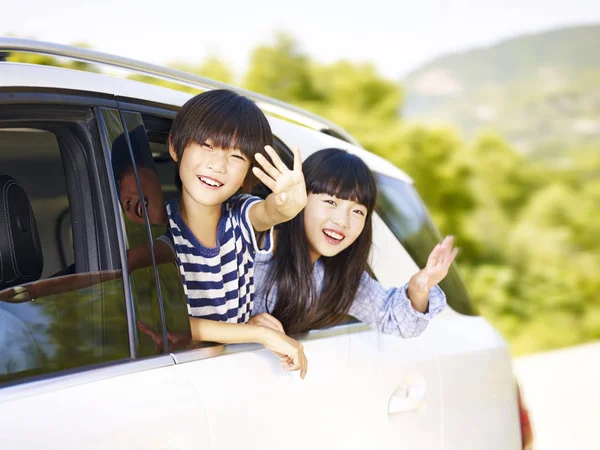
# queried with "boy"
point(215, 138)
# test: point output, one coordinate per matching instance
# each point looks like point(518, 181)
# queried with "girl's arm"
point(290, 351)
point(406, 311)
point(391, 311)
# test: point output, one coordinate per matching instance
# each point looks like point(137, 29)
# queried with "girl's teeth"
point(334, 235)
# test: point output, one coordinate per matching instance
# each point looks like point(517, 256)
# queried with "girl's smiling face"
point(332, 224)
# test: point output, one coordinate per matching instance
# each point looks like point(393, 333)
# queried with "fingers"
point(271, 170)
point(276, 159)
point(447, 243)
point(267, 320)
point(304, 367)
point(268, 181)
point(296, 361)
point(452, 255)
point(434, 256)
point(446, 247)
point(297, 159)
point(273, 323)
point(292, 365)
point(293, 351)
point(441, 253)
point(143, 327)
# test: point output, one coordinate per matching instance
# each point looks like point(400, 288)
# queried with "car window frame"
point(162, 111)
point(101, 240)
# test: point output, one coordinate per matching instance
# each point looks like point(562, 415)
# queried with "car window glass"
point(52, 318)
point(173, 296)
point(129, 177)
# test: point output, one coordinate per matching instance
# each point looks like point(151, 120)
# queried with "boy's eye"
point(240, 157)
point(207, 146)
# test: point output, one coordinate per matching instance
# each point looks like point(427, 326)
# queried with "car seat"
point(21, 258)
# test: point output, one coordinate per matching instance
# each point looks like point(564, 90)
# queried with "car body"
point(98, 380)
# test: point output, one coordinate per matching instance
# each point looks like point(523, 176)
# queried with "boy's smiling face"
point(211, 175)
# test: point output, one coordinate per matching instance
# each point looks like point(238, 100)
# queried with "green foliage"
point(528, 228)
point(281, 71)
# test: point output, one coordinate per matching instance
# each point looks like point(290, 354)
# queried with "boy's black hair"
point(228, 119)
point(121, 158)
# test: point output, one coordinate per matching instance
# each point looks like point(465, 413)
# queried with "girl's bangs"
point(345, 176)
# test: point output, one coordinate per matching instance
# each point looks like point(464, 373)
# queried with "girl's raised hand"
point(287, 185)
point(438, 264)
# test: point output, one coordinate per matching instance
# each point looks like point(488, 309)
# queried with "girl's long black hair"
point(341, 174)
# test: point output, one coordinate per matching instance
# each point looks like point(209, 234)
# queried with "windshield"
point(400, 207)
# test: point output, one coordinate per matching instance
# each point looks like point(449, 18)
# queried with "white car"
point(83, 358)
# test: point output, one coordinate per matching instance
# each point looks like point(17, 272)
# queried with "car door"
point(74, 371)
point(395, 382)
point(479, 399)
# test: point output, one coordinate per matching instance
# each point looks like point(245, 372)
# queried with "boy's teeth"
point(210, 182)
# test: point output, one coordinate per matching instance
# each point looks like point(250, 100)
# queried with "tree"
point(281, 71)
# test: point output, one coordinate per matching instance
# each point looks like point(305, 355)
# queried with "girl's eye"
point(329, 201)
point(360, 212)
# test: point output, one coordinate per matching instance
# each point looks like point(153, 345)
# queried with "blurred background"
point(492, 107)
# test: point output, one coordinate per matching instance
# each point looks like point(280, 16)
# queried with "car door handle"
point(408, 397)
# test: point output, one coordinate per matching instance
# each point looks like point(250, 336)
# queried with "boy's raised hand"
point(289, 189)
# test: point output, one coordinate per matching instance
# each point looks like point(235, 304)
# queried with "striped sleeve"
point(240, 208)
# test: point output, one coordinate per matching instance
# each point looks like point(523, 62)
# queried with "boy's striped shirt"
point(219, 282)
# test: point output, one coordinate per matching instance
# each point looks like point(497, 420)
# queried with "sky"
point(396, 36)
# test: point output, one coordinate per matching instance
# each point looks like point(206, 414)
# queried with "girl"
point(317, 274)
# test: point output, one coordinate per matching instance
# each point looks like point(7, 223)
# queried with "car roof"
point(309, 141)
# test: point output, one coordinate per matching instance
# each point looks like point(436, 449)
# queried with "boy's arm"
point(206, 330)
point(289, 191)
point(290, 351)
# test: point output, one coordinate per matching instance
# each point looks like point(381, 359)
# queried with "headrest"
point(21, 259)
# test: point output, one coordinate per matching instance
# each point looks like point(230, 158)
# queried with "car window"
point(54, 313)
point(157, 131)
point(400, 207)
point(167, 272)
point(144, 219)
